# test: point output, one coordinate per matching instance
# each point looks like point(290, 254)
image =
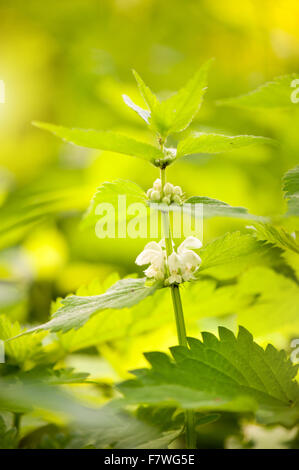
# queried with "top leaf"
point(278, 93)
point(105, 140)
point(176, 113)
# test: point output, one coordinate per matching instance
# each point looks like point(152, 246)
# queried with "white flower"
point(154, 255)
point(180, 266)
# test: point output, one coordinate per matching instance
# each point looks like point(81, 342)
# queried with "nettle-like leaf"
point(19, 349)
point(291, 188)
point(216, 208)
point(53, 377)
point(201, 299)
point(227, 256)
point(110, 192)
point(217, 143)
point(175, 113)
point(230, 373)
point(274, 94)
point(76, 310)
point(276, 235)
point(105, 140)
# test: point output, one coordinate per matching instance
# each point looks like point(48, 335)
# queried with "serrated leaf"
point(216, 208)
point(176, 113)
point(110, 192)
point(104, 140)
point(227, 256)
point(76, 311)
point(217, 143)
point(200, 299)
point(291, 188)
point(149, 97)
point(230, 373)
point(22, 348)
point(53, 377)
point(276, 235)
point(274, 94)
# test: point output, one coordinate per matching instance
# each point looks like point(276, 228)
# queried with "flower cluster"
point(167, 195)
point(178, 267)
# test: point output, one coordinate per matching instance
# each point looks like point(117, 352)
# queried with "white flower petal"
point(174, 262)
point(190, 242)
point(190, 259)
point(152, 253)
point(153, 246)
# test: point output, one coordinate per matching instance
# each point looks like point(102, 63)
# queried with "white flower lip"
point(190, 242)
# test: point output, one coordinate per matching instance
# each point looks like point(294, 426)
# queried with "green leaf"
point(232, 373)
point(216, 208)
point(53, 377)
point(275, 235)
point(110, 192)
point(291, 188)
point(76, 310)
point(217, 143)
point(227, 256)
point(105, 140)
point(176, 113)
point(149, 97)
point(22, 348)
point(274, 94)
point(180, 109)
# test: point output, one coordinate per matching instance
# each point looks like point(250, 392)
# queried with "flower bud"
point(149, 193)
point(168, 189)
point(166, 200)
point(178, 191)
point(155, 195)
point(157, 185)
point(177, 199)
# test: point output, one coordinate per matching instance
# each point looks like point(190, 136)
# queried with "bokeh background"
point(69, 63)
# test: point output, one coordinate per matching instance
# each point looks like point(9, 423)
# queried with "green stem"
point(179, 317)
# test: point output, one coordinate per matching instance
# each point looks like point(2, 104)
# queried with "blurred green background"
point(69, 63)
